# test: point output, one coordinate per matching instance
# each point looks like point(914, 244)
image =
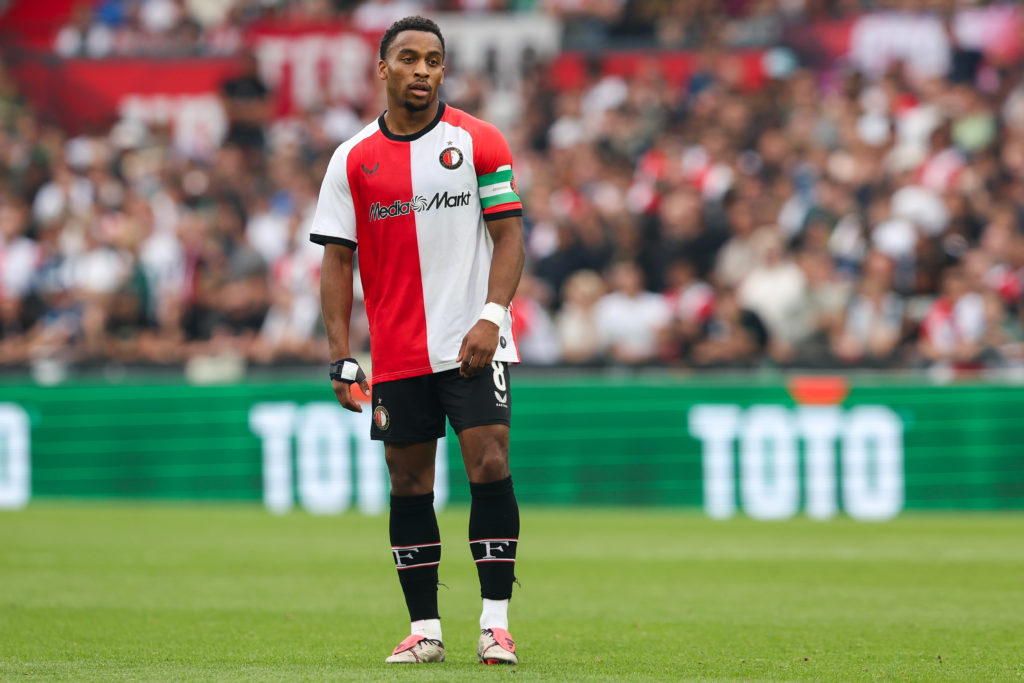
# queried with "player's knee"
point(489, 465)
point(410, 483)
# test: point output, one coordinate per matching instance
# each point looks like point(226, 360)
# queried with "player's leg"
point(493, 535)
point(416, 547)
point(479, 409)
point(409, 423)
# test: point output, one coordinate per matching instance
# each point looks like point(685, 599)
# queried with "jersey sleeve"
point(492, 158)
point(335, 219)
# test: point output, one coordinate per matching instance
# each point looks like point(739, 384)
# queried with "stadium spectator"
point(575, 321)
point(691, 302)
point(873, 324)
point(776, 290)
point(82, 36)
point(19, 254)
point(736, 257)
point(19, 259)
point(582, 245)
point(631, 321)
point(733, 337)
point(826, 297)
point(1001, 339)
point(587, 24)
point(534, 329)
point(953, 329)
point(246, 101)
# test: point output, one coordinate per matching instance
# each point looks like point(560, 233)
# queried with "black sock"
point(416, 547)
point(493, 536)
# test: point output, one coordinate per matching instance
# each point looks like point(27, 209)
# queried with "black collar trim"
point(413, 136)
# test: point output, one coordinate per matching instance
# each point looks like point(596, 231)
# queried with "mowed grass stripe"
point(229, 592)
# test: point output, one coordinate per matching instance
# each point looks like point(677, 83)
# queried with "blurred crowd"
point(838, 216)
point(100, 28)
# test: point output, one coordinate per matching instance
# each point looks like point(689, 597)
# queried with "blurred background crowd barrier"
point(772, 186)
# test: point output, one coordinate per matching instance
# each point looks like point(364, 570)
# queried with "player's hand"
point(478, 347)
point(343, 392)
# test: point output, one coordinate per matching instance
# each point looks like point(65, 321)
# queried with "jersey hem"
point(433, 370)
point(330, 239)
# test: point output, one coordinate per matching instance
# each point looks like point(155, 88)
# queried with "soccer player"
point(426, 194)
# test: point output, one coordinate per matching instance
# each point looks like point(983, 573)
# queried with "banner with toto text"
point(812, 446)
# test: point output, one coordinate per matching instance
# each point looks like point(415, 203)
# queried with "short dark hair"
point(409, 24)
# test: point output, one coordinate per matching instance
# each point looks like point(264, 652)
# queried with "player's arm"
point(336, 304)
point(480, 343)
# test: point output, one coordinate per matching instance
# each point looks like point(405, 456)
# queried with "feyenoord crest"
point(381, 418)
point(451, 158)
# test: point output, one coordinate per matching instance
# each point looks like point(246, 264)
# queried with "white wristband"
point(494, 313)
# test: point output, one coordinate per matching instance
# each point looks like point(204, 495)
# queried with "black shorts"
point(413, 410)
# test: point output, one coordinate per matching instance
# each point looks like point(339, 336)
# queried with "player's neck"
point(402, 121)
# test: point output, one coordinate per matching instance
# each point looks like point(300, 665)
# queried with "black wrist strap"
point(346, 370)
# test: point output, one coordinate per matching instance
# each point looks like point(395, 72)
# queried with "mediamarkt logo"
point(418, 203)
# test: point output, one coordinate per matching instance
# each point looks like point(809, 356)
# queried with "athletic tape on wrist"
point(347, 370)
point(494, 313)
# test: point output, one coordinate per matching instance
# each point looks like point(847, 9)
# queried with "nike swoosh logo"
point(370, 171)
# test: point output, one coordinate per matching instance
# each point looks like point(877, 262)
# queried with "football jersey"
point(416, 207)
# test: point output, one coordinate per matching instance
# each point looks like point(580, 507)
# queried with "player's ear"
point(382, 70)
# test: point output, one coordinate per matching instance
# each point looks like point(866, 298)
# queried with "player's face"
point(413, 70)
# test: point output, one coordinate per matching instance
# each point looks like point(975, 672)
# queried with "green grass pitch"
point(161, 592)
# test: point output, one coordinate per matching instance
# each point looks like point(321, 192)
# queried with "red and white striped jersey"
point(416, 206)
